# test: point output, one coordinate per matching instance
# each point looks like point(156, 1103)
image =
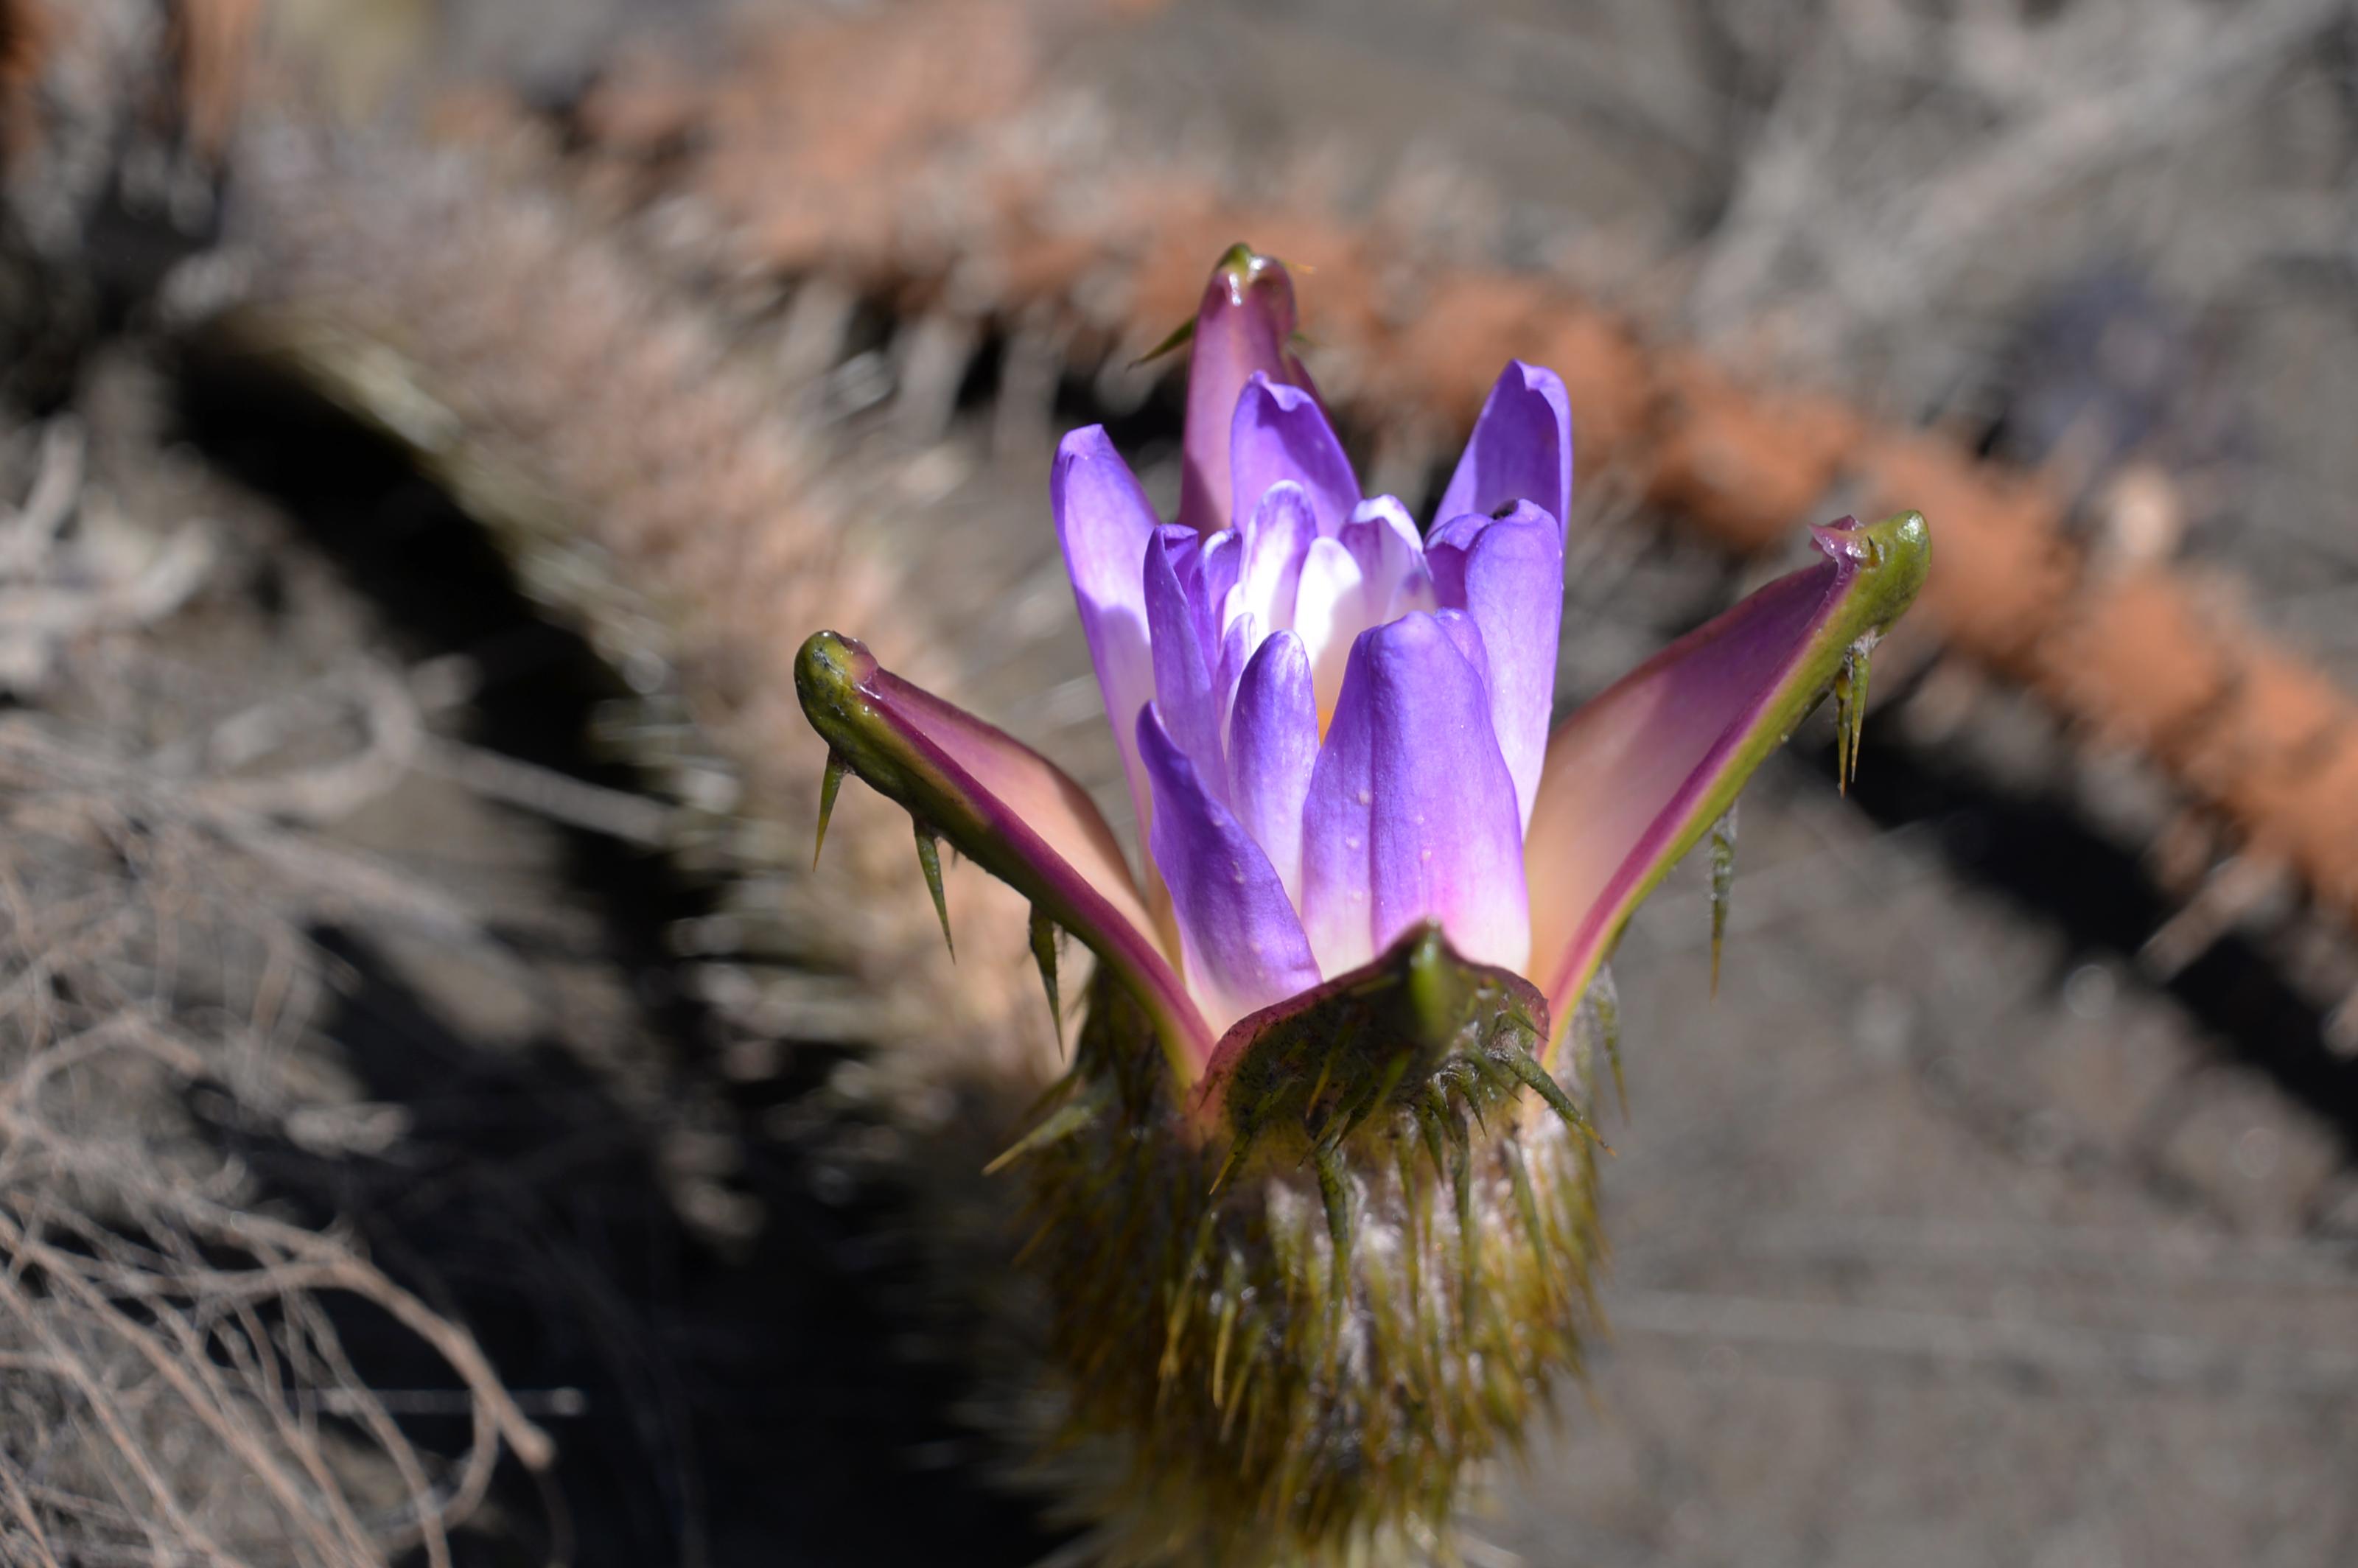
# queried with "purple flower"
point(1336, 729)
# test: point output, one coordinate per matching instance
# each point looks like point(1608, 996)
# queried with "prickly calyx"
point(1295, 1330)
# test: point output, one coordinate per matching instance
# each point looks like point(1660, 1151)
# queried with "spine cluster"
point(1291, 1352)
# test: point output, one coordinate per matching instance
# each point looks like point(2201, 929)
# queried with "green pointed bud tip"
point(830, 671)
point(1239, 271)
point(1243, 269)
point(1438, 989)
point(1893, 557)
point(1240, 264)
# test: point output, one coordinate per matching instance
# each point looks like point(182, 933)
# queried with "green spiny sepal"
point(1292, 1310)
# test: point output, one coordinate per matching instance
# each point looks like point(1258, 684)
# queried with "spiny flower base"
point(1299, 1366)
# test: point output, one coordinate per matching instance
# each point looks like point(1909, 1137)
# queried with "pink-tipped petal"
point(1272, 745)
point(1103, 522)
point(1282, 436)
point(1635, 777)
point(1520, 449)
point(1508, 574)
point(1007, 808)
point(1411, 812)
point(1240, 938)
point(1244, 327)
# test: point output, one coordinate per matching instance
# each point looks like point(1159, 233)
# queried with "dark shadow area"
point(2034, 848)
point(750, 1405)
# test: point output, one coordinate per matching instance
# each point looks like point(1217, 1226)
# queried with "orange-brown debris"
point(2139, 654)
point(212, 45)
point(25, 34)
point(1741, 466)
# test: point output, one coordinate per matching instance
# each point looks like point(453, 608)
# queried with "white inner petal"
point(1372, 573)
point(1330, 614)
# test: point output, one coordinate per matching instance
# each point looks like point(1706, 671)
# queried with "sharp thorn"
point(1860, 653)
point(1335, 1193)
point(1537, 1076)
point(1850, 710)
point(1461, 1182)
point(1429, 1124)
point(1060, 1124)
point(1043, 953)
point(1236, 1152)
point(1842, 726)
point(1231, 1295)
point(830, 784)
point(1176, 1321)
point(1178, 338)
point(929, 857)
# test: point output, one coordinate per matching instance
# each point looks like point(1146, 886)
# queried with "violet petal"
point(1185, 659)
point(1241, 941)
point(1507, 573)
point(1272, 745)
point(1281, 434)
point(1381, 536)
point(1243, 327)
point(1103, 522)
point(1465, 636)
point(1520, 449)
point(1222, 560)
point(1238, 645)
point(1412, 811)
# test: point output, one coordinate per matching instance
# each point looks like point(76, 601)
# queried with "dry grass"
point(173, 1386)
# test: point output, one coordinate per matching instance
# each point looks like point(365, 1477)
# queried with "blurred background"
point(442, 1119)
